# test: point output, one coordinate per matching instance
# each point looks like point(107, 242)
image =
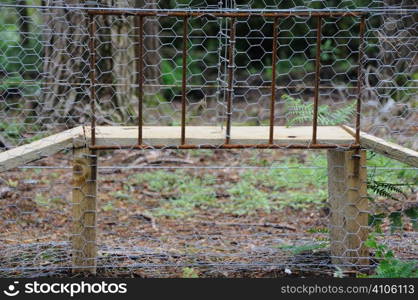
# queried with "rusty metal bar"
point(273, 79)
point(183, 82)
point(317, 79)
point(232, 16)
point(227, 146)
point(139, 49)
point(92, 55)
point(360, 77)
point(219, 13)
point(230, 80)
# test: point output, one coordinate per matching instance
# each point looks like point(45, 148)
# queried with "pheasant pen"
point(99, 134)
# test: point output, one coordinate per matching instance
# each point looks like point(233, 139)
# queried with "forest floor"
point(197, 213)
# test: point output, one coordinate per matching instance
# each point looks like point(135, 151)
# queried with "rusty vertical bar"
point(92, 54)
point(360, 77)
point(183, 82)
point(230, 80)
point(317, 79)
point(273, 79)
point(139, 53)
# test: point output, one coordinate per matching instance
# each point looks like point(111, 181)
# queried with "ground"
point(197, 213)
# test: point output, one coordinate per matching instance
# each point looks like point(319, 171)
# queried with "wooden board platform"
point(206, 135)
point(119, 136)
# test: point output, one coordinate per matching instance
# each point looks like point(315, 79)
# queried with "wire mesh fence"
point(206, 212)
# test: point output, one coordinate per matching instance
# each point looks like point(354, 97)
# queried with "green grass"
point(290, 183)
point(121, 195)
point(245, 199)
point(313, 247)
point(182, 194)
point(190, 273)
point(186, 192)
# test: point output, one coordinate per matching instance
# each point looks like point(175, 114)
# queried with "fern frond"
point(301, 112)
point(385, 189)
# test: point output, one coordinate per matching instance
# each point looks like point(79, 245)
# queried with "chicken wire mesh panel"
point(162, 72)
point(158, 218)
point(241, 69)
point(61, 71)
point(204, 213)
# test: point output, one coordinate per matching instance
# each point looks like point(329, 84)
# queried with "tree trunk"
point(152, 59)
point(23, 21)
point(398, 50)
point(66, 65)
point(117, 68)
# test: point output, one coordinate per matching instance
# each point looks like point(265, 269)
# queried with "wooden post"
point(347, 188)
point(84, 211)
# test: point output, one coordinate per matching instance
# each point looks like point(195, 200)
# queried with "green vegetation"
point(12, 183)
point(289, 183)
point(190, 273)
point(108, 206)
point(17, 133)
point(181, 193)
point(245, 199)
point(381, 187)
point(389, 266)
point(312, 247)
point(120, 195)
point(47, 201)
point(14, 131)
point(20, 53)
point(301, 112)
point(384, 185)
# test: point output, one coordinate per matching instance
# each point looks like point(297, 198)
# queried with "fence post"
point(347, 189)
point(84, 210)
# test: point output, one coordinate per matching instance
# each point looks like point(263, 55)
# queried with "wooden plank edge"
point(389, 149)
point(41, 148)
point(124, 140)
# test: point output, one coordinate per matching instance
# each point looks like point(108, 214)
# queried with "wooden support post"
point(347, 188)
point(84, 249)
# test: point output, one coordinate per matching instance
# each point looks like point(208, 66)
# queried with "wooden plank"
point(198, 135)
point(39, 149)
point(84, 250)
point(347, 188)
point(168, 135)
point(388, 149)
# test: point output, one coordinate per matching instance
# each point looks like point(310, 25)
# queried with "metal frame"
point(139, 50)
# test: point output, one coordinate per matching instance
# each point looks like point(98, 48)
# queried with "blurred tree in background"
point(36, 57)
